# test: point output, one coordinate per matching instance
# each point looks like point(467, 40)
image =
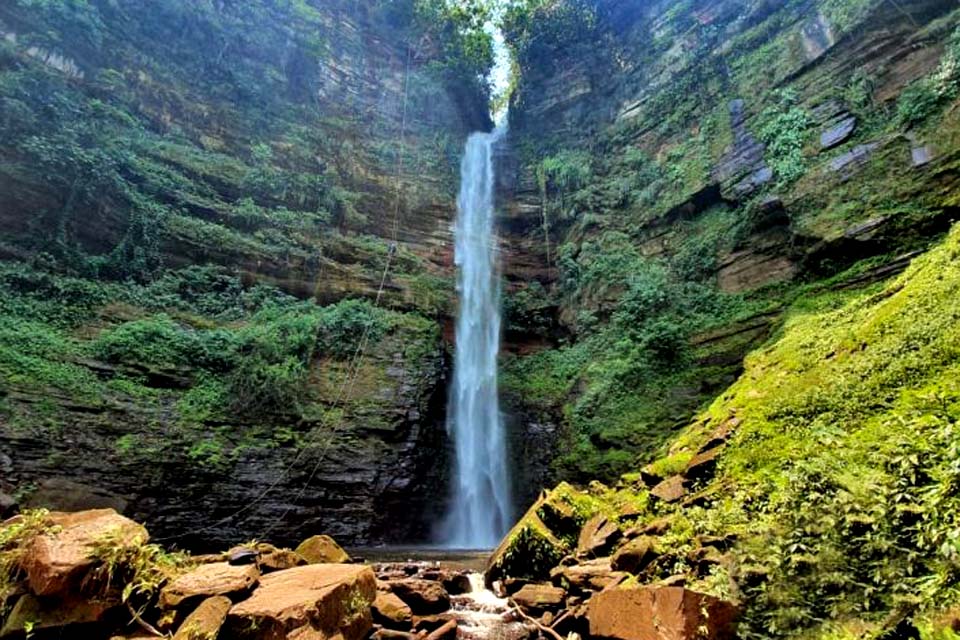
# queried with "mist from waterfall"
point(480, 508)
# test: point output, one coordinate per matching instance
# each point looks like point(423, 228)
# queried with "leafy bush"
point(159, 341)
point(784, 130)
point(926, 96)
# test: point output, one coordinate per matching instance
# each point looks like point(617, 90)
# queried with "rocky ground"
point(94, 574)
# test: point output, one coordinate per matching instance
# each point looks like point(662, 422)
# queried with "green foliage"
point(15, 538)
point(926, 96)
point(538, 30)
point(159, 341)
point(841, 480)
point(784, 130)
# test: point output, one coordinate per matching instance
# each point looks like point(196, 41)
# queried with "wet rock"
point(636, 555)
point(219, 579)
point(314, 601)
point(322, 550)
point(660, 613)
point(432, 622)
point(456, 583)
point(56, 562)
point(921, 156)
point(205, 622)
point(849, 161)
point(54, 613)
point(391, 612)
point(817, 36)
point(540, 597)
point(670, 490)
point(597, 537)
point(838, 133)
point(742, 169)
point(447, 631)
point(424, 597)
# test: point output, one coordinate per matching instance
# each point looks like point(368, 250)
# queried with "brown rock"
point(703, 465)
point(670, 490)
point(205, 622)
point(593, 575)
point(427, 624)
point(8, 506)
point(322, 550)
point(597, 536)
point(634, 556)
point(447, 631)
point(219, 579)
point(656, 527)
point(53, 613)
point(55, 562)
point(457, 583)
point(660, 613)
point(274, 559)
point(540, 597)
point(392, 612)
point(317, 601)
point(422, 596)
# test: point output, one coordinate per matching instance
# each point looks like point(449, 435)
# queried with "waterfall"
point(480, 506)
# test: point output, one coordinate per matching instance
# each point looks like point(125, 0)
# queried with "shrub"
point(784, 131)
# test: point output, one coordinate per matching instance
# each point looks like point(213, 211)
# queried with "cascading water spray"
point(480, 511)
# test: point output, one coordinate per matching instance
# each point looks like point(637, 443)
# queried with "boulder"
point(540, 597)
point(8, 506)
point(660, 613)
point(838, 133)
point(703, 465)
point(921, 156)
point(636, 555)
point(670, 490)
point(219, 579)
point(271, 558)
point(62, 494)
point(597, 536)
point(322, 550)
point(317, 601)
point(55, 562)
point(424, 597)
point(593, 575)
point(456, 583)
point(54, 613)
point(448, 631)
point(392, 612)
point(205, 622)
point(431, 623)
point(539, 540)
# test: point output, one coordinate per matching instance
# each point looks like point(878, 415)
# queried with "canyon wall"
point(247, 156)
point(680, 174)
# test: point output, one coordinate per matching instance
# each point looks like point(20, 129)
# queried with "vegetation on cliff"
point(823, 482)
point(697, 174)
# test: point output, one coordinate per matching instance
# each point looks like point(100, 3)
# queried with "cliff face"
point(681, 173)
point(288, 148)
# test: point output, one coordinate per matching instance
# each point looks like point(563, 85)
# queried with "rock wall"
point(296, 147)
point(740, 149)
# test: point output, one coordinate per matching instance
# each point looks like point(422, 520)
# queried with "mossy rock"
point(544, 535)
point(564, 510)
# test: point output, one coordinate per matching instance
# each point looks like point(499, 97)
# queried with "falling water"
point(480, 509)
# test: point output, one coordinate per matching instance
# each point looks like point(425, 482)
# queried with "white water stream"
point(480, 510)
